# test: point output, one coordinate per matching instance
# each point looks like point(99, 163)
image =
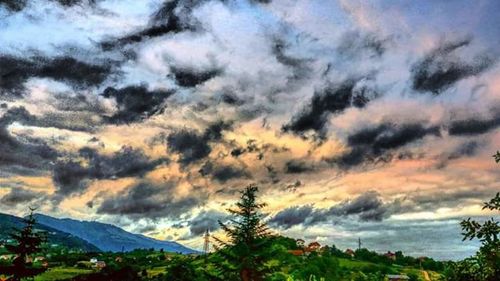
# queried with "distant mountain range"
point(91, 236)
point(108, 237)
point(54, 236)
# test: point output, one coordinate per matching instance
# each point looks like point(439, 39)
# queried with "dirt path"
point(426, 275)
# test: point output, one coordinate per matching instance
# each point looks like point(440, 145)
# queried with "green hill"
point(55, 237)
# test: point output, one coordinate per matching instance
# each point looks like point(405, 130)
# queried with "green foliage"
point(27, 243)
point(244, 252)
point(497, 157)
point(485, 265)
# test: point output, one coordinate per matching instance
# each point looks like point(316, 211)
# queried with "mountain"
point(109, 237)
point(54, 236)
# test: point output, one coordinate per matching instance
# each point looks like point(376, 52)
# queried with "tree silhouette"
point(246, 233)
point(27, 242)
point(488, 232)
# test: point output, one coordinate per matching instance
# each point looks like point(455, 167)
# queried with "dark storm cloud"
point(23, 153)
point(374, 144)
point(72, 177)
point(172, 17)
point(134, 103)
point(473, 126)
point(466, 149)
point(13, 5)
point(190, 77)
point(366, 207)
point(443, 67)
point(353, 44)
point(300, 67)
point(193, 146)
point(14, 71)
point(206, 220)
point(331, 100)
point(19, 196)
point(223, 173)
point(297, 167)
point(149, 200)
point(189, 144)
point(291, 216)
point(18, 5)
point(230, 98)
point(75, 121)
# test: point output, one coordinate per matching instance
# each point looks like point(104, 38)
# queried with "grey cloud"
point(72, 177)
point(135, 103)
point(150, 200)
point(366, 207)
point(206, 220)
point(353, 44)
point(473, 126)
point(223, 173)
point(331, 100)
point(14, 71)
point(376, 143)
point(193, 146)
point(442, 67)
point(19, 196)
point(23, 153)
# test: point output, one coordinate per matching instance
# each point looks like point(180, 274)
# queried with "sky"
point(369, 119)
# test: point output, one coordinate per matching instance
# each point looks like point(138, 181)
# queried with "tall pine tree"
point(27, 242)
point(247, 235)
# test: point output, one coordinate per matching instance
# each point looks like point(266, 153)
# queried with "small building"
point(390, 255)
point(300, 243)
point(313, 247)
point(397, 277)
point(119, 259)
point(40, 259)
point(93, 260)
point(5, 257)
point(100, 264)
point(350, 253)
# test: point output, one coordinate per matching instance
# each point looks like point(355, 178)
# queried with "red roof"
point(314, 244)
point(296, 252)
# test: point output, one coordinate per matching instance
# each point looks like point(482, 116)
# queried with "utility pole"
point(206, 245)
point(359, 243)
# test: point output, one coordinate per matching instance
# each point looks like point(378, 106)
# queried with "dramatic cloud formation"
point(70, 176)
point(354, 119)
point(150, 200)
point(16, 71)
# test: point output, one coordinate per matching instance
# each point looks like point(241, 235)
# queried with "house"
point(5, 257)
point(93, 260)
point(350, 253)
point(313, 247)
point(300, 243)
point(39, 259)
point(397, 277)
point(390, 255)
point(100, 264)
point(119, 259)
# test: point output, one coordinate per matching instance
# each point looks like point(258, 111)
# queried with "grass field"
point(58, 273)
point(354, 264)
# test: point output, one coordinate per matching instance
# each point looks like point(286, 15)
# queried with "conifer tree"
point(27, 243)
point(244, 250)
